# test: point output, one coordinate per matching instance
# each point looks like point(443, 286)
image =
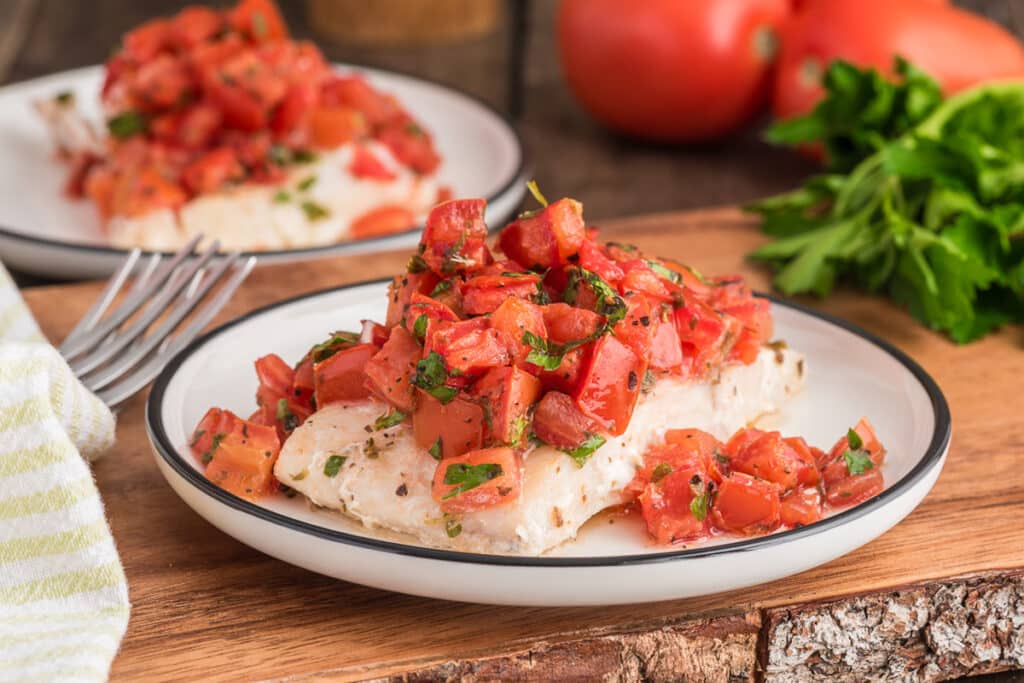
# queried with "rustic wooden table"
point(205, 605)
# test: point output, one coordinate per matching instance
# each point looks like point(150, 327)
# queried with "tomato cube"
point(558, 422)
point(389, 371)
point(340, 376)
point(610, 385)
point(400, 294)
point(431, 311)
point(508, 394)
point(801, 507)
point(567, 323)
point(453, 238)
point(485, 293)
point(675, 508)
point(769, 457)
point(239, 455)
point(457, 425)
point(470, 347)
point(513, 318)
point(636, 330)
point(546, 238)
point(593, 258)
point(746, 505)
point(477, 480)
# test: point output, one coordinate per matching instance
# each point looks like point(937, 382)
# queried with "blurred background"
point(507, 56)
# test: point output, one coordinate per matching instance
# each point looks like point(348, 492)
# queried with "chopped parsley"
point(585, 449)
point(609, 303)
point(337, 342)
point(126, 124)
point(306, 183)
point(370, 449)
point(285, 415)
point(664, 272)
point(660, 472)
point(435, 449)
point(543, 353)
point(333, 465)
point(442, 287)
point(65, 98)
point(282, 197)
point(214, 445)
point(467, 477)
point(518, 429)
point(452, 526)
point(416, 264)
point(259, 26)
point(304, 156)
point(195, 437)
point(419, 328)
point(389, 419)
point(858, 461)
point(535, 191)
point(314, 211)
point(701, 498)
point(853, 438)
point(431, 375)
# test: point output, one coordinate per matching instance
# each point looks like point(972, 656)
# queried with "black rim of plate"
point(166, 450)
point(517, 176)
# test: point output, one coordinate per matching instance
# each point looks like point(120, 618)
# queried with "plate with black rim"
point(850, 373)
point(44, 232)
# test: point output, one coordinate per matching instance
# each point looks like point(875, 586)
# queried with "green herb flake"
point(282, 197)
point(430, 376)
point(416, 264)
point(660, 472)
point(304, 156)
point(441, 287)
point(452, 526)
point(663, 271)
point(858, 461)
point(214, 445)
point(314, 212)
point(127, 124)
point(306, 183)
point(338, 342)
point(370, 449)
point(699, 506)
point(465, 477)
point(853, 438)
point(65, 98)
point(389, 419)
point(195, 437)
point(436, 449)
point(333, 465)
point(285, 415)
point(582, 452)
point(535, 191)
point(259, 26)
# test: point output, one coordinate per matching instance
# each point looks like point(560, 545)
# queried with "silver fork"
point(117, 355)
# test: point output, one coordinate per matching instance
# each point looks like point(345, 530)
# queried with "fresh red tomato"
point(557, 421)
point(400, 294)
point(389, 371)
point(477, 480)
point(457, 425)
point(383, 220)
point(695, 444)
point(194, 25)
point(667, 70)
point(508, 393)
point(869, 442)
point(636, 330)
point(239, 455)
point(843, 489)
point(954, 46)
point(212, 171)
point(610, 385)
point(198, 125)
point(160, 83)
point(144, 42)
point(675, 507)
point(567, 323)
point(771, 458)
point(353, 91)
point(469, 347)
point(801, 507)
point(513, 318)
point(340, 376)
point(746, 505)
point(453, 238)
point(410, 144)
point(666, 349)
point(424, 313)
point(593, 258)
point(569, 373)
point(366, 166)
point(259, 19)
point(331, 127)
point(485, 293)
point(546, 238)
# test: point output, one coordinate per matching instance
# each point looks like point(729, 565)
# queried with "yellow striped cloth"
point(63, 594)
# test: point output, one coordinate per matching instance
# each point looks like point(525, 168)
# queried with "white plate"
point(44, 232)
point(850, 374)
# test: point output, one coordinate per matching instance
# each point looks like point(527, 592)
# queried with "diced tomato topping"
point(610, 386)
point(410, 144)
point(485, 293)
point(298, 100)
point(593, 258)
point(666, 349)
point(400, 294)
point(458, 426)
point(430, 310)
point(212, 170)
point(194, 25)
point(640, 278)
point(477, 480)
point(747, 505)
point(513, 318)
point(470, 347)
point(144, 42)
point(365, 165)
point(259, 19)
point(340, 376)
point(870, 443)
point(239, 455)
point(636, 330)
point(453, 239)
point(384, 220)
point(557, 421)
point(668, 505)
point(769, 457)
point(843, 489)
point(567, 323)
point(388, 372)
point(508, 394)
point(548, 237)
point(801, 507)
point(331, 127)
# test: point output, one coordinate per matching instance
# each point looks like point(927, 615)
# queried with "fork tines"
point(117, 354)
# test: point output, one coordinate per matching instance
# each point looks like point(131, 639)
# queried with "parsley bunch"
point(924, 200)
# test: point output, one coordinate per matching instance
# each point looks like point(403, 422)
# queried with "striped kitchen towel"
point(63, 594)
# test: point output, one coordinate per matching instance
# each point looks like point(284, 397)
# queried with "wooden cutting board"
point(942, 594)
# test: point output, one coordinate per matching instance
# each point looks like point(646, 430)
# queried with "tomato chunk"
point(279, 404)
point(453, 238)
point(458, 426)
point(388, 372)
point(801, 507)
point(508, 394)
point(567, 323)
point(470, 347)
point(260, 19)
point(870, 443)
point(239, 455)
point(400, 294)
point(636, 330)
point(477, 480)
point(513, 318)
point(558, 422)
point(610, 386)
point(340, 376)
point(546, 238)
point(485, 293)
point(674, 507)
point(331, 127)
point(747, 505)
point(771, 458)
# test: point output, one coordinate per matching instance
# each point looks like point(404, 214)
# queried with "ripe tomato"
point(339, 377)
point(770, 457)
point(211, 171)
point(485, 293)
point(469, 347)
point(481, 479)
point(954, 46)
point(668, 70)
point(389, 371)
point(509, 393)
point(513, 318)
point(801, 507)
point(239, 455)
point(557, 421)
point(746, 505)
point(458, 424)
point(567, 323)
point(610, 385)
point(400, 294)
point(547, 238)
point(453, 238)
point(384, 220)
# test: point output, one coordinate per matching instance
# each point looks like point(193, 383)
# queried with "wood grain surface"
point(947, 581)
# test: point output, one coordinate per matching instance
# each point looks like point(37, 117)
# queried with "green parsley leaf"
point(333, 464)
point(304, 156)
point(436, 449)
point(660, 472)
point(127, 124)
point(282, 197)
point(452, 526)
point(853, 438)
point(858, 461)
point(214, 445)
point(467, 477)
point(582, 452)
point(259, 26)
point(314, 211)
point(338, 342)
point(416, 264)
point(389, 419)
point(306, 183)
point(535, 191)
point(441, 287)
point(661, 270)
point(542, 353)
point(419, 328)
point(699, 506)
point(431, 375)
point(65, 98)
point(195, 437)
point(285, 415)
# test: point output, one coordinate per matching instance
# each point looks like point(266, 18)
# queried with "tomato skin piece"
point(145, 41)
point(453, 238)
point(383, 220)
point(513, 318)
point(871, 443)
point(610, 385)
point(194, 25)
point(410, 144)
point(435, 311)
point(470, 347)
point(567, 323)
point(388, 372)
point(843, 489)
point(502, 489)
point(459, 424)
point(546, 239)
point(800, 507)
point(665, 506)
point(558, 422)
point(400, 294)
point(212, 171)
point(483, 294)
point(746, 505)
point(634, 66)
point(639, 277)
point(636, 330)
point(259, 19)
point(366, 166)
point(508, 393)
point(198, 125)
point(592, 258)
point(340, 376)
point(161, 83)
point(331, 127)
point(294, 108)
point(276, 382)
point(353, 91)
point(666, 349)
point(769, 457)
point(954, 46)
